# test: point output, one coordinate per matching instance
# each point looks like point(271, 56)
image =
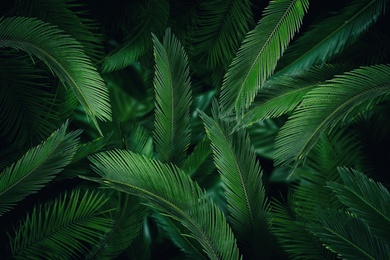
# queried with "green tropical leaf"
point(63, 228)
point(199, 164)
point(36, 168)
point(127, 224)
point(152, 19)
point(241, 175)
point(29, 110)
point(257, 57)
point(173, 193)
point(292, 233)
point(367, 199)
point(68, 16)
point(327, 105)
point(283, 94)
point(173, 99)
point(332, 35)
point(64, 56)
point(220, 25)
point(174, 230)
point(348, 236)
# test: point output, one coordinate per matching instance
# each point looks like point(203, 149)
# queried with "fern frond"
point(367, 199)
point(63, 228)
point(152, 19)
point(328, 105)
point(173, 193)
point(64, 57)
point(348, 236)
point(241, 175)
point(219, 27)
point(173, 99)
point(283, 94)
point(331, 36)
point(36, 168)
point(257, 57)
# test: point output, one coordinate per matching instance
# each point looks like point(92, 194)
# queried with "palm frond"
point(36, 168)
point(219, 27)
point(127, 223)
point(172, 192)
point(140, 141)
point(283, 94)
point(64, 57)
point(173, 99)
point(263, 134)
point(152, 19)
point(367, 199)
point(328, 105)
point(63, 228)
point(331, 36)
point(292, 233)
point(28, 106)
point(199, 163)
point(69, 16)
point(348, 236)
point(174, 230)
point(241, 175)
point(257, 57)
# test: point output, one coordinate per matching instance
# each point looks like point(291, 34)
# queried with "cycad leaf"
point(61, 229)
point(294, 236)
point(257, 57)
point(152, 19)
point(282, 94)
point(348, 236)
point(332, 35)
point(369, 200)
point(68, 16)
point(28, 107)
point(220, 26)
point(173, 99)
point(173, 193)
point(36, 168)
point(327, 105)
point(64, 56)
point(127, 224)
point(241, 175)
point(200, 162)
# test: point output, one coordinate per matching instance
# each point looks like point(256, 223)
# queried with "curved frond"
point(36, 168)
point(68, 16)
point(327, 105)
point(64, 56)
point(61, 229)
point(241, 175)
point(257, 57)
point(219, 27)
point(199, 163)
point(348, 236)
point(173, 193)
point(152, 19)
point(331, 36)
point(28, 106)
point(369, 200)
point(173, 99)
point(128, 219)
point(283, 94)
point(292, 233)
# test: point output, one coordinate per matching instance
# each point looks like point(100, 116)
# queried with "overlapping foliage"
point(111, 148)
